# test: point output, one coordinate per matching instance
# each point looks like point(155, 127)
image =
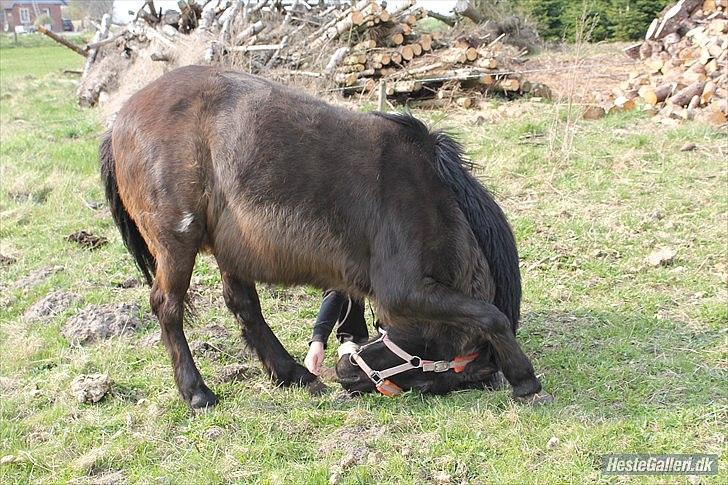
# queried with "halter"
point(379, 378)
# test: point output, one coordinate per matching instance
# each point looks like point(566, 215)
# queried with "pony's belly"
point(279, 248)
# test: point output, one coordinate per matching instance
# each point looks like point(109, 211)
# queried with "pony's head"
point(396, 361)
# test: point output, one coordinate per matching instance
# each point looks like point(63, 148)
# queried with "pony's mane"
point(486, 219)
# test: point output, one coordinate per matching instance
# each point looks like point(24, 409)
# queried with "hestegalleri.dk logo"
point(645, 464)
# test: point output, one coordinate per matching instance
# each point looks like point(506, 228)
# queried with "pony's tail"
point(130, 234)
point(488, 223)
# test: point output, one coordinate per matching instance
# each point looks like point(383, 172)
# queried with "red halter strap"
point(387, 387)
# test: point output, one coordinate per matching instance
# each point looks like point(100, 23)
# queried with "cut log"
point(348, 79)
point(365, 45)
point(427, 68)
point(416, 49)
point(466, 9)
point(633, 51)
point(464, 102)
point(351, 68)
point(683, 97)
point(249, 31)
point(708, 92)
point(403, 87)
point(336, 59)
point(406, 52)
point(487, 62)
point(509, 84)
point(593, 112)
point(442, 18)
point(622, 103)
point(355, 59)
point(395, 39)
point(670, 22)
point(426, 42)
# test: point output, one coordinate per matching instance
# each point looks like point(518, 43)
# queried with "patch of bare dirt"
point(7, 260)
point(577, 72)
point(51, 305)
point(213, 432)
point(203, 296)
point(128, 283)
point(233, 372)
point(153, 339)
point(37, 277)
point(89, 389)
point(98, 322)
point(87, 240)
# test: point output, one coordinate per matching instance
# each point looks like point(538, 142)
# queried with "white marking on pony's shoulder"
point(187, 219)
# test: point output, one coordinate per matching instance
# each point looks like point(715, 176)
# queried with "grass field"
point(635, 355)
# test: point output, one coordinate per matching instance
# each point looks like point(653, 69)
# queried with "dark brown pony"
point(283, 188)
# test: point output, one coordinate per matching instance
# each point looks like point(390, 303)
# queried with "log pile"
point(430, 71)
point(684, 73)
point(350, 47)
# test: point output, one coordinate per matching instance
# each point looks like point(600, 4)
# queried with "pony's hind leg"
point(167, 301)
point(242, 300)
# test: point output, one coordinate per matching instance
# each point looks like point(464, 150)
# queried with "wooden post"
point(382, 96)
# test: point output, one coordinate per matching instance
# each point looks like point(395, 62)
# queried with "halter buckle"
point(376, 378)
point(441, 366)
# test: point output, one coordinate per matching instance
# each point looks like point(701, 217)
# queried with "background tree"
point(612, 19)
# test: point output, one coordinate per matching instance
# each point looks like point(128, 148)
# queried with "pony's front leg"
point(242, 300)
point(167, 302)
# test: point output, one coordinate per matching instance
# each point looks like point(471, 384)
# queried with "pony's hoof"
point(202, 399)
point(316, 388)
point(537, 399)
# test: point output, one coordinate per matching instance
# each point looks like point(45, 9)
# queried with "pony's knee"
point(497, 322)
point(167, 307)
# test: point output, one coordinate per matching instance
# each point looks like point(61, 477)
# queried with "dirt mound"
point(233, 372)
point(99, 322)
point(51, 305)
point(91, 388)
point(87, 240)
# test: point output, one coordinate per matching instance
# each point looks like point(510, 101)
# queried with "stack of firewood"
point(352, 47)
point(426, 67)
point(684, 73)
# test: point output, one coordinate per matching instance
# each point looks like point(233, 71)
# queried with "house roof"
point(8, 4)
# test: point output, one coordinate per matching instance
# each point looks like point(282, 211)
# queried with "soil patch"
point(98, 322)
point(51, 305)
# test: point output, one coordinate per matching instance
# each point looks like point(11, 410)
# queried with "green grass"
point(635, 355)
point(35, 55)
